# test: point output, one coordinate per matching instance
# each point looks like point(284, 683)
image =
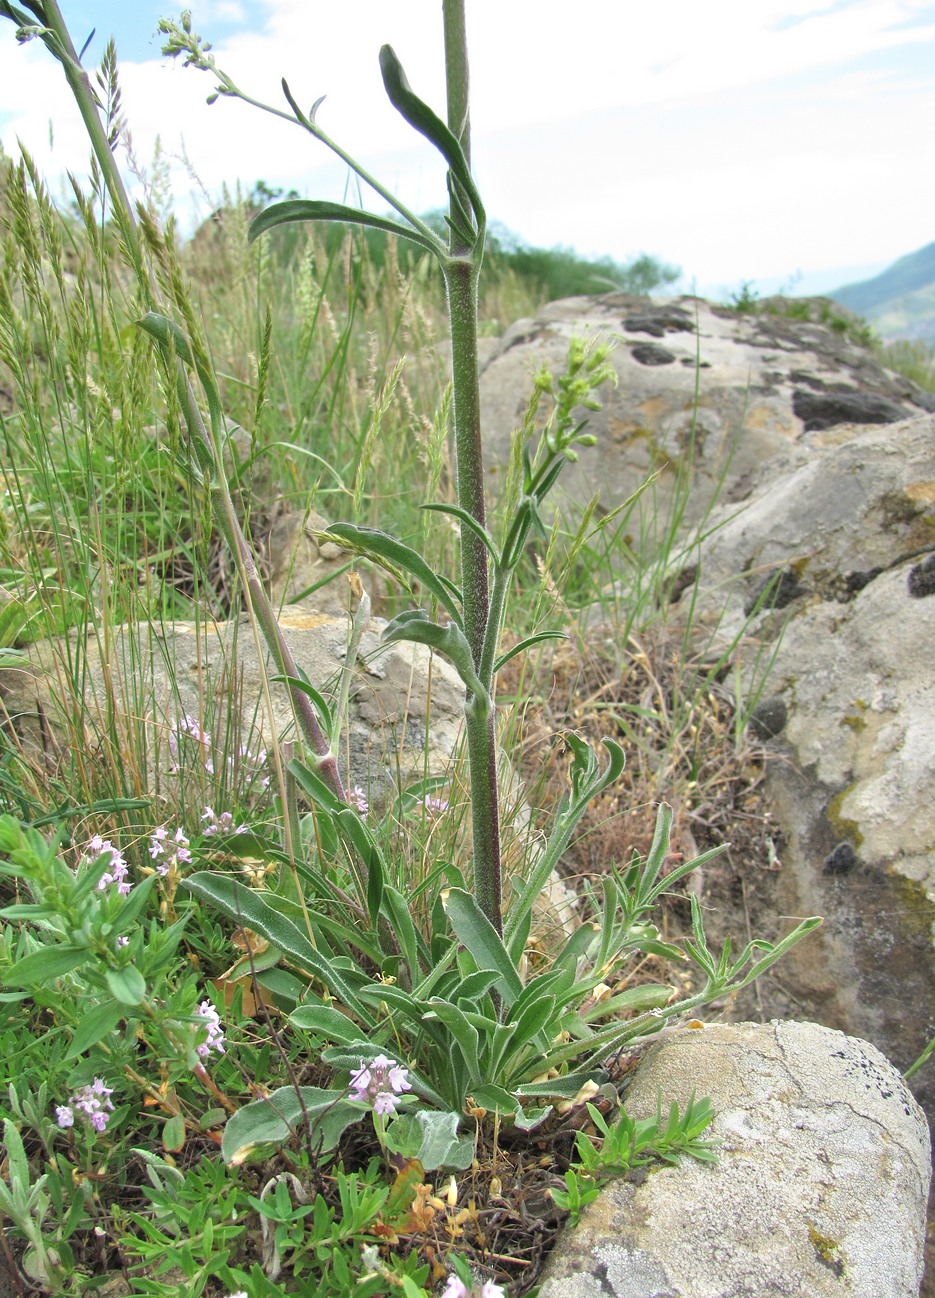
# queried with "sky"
point(783, 143)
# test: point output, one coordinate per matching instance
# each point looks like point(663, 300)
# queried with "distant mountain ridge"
point(900, 301)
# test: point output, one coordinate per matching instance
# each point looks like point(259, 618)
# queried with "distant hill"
point(899, 302)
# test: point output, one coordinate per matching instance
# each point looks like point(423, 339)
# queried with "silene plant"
point(427, 1014)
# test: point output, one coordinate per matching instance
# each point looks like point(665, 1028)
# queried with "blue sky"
point(738, 139)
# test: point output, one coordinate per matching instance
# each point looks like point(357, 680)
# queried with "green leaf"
point(321, 706)
point(646, 996)
point(301, 209)
point(427, 123)
point(330, 1024)
point(528, 644)
point(133, 905)
point(45, 965)
point(475, 931)
point(471, 523)
point(449, 640)
point(248, 908)
point(463, 1032)
point(94, 1026)
point(432, 1138)
point(271, 1121)
point(127, 985)
point(173, 1134)
point(499, 1100)
point(373, 543)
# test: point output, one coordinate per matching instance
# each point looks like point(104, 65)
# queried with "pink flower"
point(357, 799)
point(456, 1288)
point(222, 824)
point(212, 1023)
point(379, 1083)
point(174, 852)
point(435, 806)
point(188, 728)
point(116, 872)
point(91, 1103)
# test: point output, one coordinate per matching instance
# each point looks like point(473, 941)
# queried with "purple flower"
point(188, 728)
point(173, 852)
point(379, 1083)
point(357, 799)
point(212, 1023)
point(92, 1104)
point(222, 824)
point(456, 1288)
point(435, 806)
point(116, 872)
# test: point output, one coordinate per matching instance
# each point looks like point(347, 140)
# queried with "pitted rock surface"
point(819, 1190)
point(754, 372)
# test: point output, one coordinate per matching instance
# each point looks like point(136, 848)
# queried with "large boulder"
point(807, 543)
point(819, 1189)
point(155, 675)
point(701, 389)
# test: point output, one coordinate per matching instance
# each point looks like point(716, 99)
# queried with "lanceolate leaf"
point(379, 545)
point(247, 907)
point(528, 643)
point(273, 1120)
point(427, 123)
point(475, 931)
point(301, 209)
point(45, 965)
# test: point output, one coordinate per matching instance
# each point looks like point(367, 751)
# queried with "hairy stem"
point(462, 270)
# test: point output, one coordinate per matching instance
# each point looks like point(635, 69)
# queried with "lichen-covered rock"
point(819, 1191)
point(718, 395)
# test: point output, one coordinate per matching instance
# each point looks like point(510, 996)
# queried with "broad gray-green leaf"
point(427, 123)
point(475, 931)
point(271, 1121)
point(449, 640)
point(433, 1139)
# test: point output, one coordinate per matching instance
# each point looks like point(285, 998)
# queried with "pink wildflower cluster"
point(169, 853)
point(222, 824)
point(357, 799)
point(435, 806)
point(188, 728)
point(92, 1104)
point(458, 1289)
point(116, 872)
point(379, 1084)
point(212, 1023)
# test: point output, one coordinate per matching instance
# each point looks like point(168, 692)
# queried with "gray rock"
point(161, 673)
point(754, 370)
point(820, 1188)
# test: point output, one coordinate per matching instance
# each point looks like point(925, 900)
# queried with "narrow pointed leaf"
point(301, 209)
point(470, 522)
point(247, 907)
point(528, 643)
point(373, 543)
point(427, 123)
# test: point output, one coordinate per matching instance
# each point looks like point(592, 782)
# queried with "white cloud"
point(735, 138)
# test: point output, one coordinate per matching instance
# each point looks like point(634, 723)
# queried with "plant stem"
point(462, 270)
